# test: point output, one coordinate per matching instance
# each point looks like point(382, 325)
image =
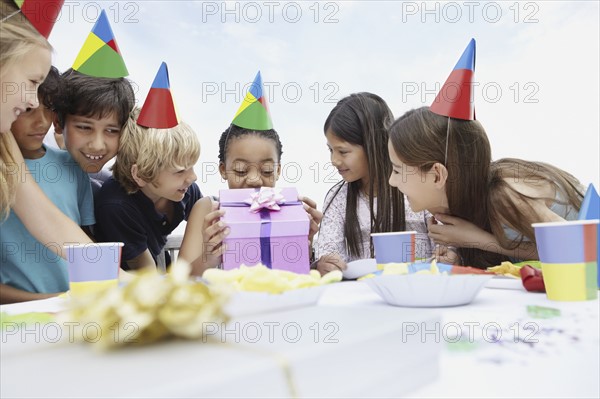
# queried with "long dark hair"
point(363, 119)
point(422, 138)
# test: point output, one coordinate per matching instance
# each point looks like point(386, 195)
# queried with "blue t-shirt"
point(133, 219)
point(26, 263)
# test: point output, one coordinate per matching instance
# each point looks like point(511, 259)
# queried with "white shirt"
point(331, 233)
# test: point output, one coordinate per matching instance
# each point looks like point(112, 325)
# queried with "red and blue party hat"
point(100, 56)
point(42, 14)
point(455, 99)
point(159, 109)
point(254, 113)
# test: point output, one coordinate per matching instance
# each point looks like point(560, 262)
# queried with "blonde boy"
point(152, 190)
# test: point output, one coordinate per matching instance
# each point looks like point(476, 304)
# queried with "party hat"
point(590, 207)
point(159, 109)
point(41, 14)
point(100, 55)
point(254, 112)
point(455, 99)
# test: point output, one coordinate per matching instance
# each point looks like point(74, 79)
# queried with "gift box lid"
point(291, 220)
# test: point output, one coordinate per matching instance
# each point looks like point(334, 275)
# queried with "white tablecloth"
point(506, 343)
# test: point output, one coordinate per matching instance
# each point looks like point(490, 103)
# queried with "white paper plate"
point(244, 303)
point(505, 283)
point(425, 290)
point(359, 268)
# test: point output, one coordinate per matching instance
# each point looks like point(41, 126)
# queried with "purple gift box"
point(277, 239)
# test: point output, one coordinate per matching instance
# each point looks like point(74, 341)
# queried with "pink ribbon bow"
point(266, 198)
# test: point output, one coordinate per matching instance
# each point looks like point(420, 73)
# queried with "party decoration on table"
point(277, 239)
point(159, 110)
point(532, 278)
point(509, 275)
point(100, 56)
point(455, 99)
point(149, 308)
point(253, 113)
point(427, 285)
point(11, 322)
point(260, 278)
point(542, 312)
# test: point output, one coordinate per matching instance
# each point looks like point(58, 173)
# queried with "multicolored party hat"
point(254, 112)
point(455, 99)
point(42, 14)
point(159, 109)
point(100, 55)
point(590, 207)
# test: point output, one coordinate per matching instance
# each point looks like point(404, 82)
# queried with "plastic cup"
point(569, 256)
point(394, 247)
point(93, 267)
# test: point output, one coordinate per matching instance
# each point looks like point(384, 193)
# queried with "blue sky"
point(537, 69)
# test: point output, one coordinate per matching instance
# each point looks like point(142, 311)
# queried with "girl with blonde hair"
point(25, 60)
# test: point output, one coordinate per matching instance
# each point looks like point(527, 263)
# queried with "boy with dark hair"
point(90, 114)
point(94, 101)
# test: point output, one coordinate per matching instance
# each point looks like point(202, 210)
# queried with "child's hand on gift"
point(314, 215)
point(330, 262)
point(214, 232)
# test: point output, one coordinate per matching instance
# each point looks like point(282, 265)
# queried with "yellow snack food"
point(506, 269)
point(260, 278)
point(395, 268)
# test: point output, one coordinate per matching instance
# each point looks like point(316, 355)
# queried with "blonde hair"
point(8, 180)
point(153, 151)
point(17, 38)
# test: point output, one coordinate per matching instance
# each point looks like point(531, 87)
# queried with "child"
point(249, 157)
point(442, 162)
point(90, 114)
point(153, 188)
point(29, 271)
point(25, 56)
point(520, 193)
point(93, 104)
point(362, 203)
